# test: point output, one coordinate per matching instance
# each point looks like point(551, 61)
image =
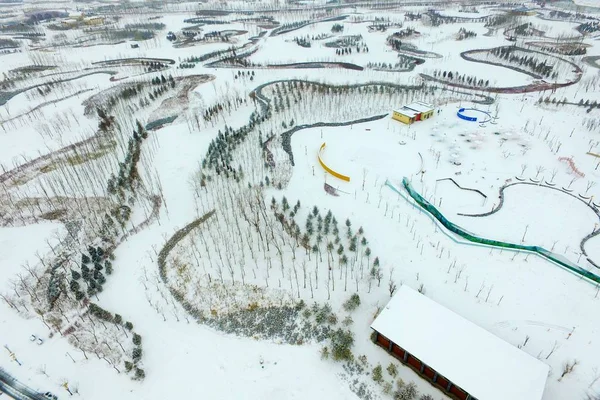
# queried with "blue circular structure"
point(461, 114)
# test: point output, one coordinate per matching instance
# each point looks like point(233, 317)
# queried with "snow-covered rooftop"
point(407, 111)
point(479, 362)
point(419, 106)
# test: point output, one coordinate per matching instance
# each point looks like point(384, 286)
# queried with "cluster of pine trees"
point(348, 50)
point(531, 63)
point(91, 274)
point(465, 34)
point(153, 65)
point(214, 111)
point(302, 41)
point(290, 26)
point(337, 28)
point(565, 50)
point(589, 27)
point(498, 20)
point(464, 79)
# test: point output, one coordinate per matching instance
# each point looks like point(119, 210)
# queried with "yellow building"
point(417, 111)
point(96, 20)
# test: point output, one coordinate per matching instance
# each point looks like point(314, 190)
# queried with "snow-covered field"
point(218, 240)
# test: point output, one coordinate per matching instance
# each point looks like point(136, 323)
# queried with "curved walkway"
point(501, 203)
point(474, 239)
point(287, 135)
point(462, 188)
point(16, 390)
point(164, 253)
point(592, 61)
point(6, 96)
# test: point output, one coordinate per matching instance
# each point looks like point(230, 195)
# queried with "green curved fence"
point(452, 227)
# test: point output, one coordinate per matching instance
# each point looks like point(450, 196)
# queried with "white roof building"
point(481, 364)
point(420, 106)
point(409, 112)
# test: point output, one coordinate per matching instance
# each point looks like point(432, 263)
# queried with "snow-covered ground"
point(524, 299)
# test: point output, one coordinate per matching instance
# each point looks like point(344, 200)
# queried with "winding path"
point(501, 203)
point(6, 96)
point(15, 389)
point(463, 188)
point(164, 253)
point(474, 239)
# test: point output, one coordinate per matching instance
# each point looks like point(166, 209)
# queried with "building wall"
point(95, 21)
point(427, 115)
point(425, 371)
point(402, 118)
point(408, 120)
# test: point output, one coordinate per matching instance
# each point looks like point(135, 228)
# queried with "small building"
point(69, 22)
point(95, 20)
point(458, 357)
point(523, 11)
point(417, 111)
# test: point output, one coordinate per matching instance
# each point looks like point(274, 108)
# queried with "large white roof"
point(485, 366)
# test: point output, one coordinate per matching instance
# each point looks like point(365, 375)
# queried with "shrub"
point(377, 375)
point(301, 305)
point(137, 354)
point(392, 369)
point(137, 340)
point(347, 321)
point(325, 353)
point(341, 345)
point(426, 397)
point(322, 313)
point(387, 388)
point(128, 366)
point(99, 312)
point(352, 303)
point(332, 319)
point(74, 285)
point(139, 374)
point(407, 392)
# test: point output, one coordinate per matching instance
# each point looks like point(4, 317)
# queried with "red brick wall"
point(383, 341)
point(428, 372)
point(443, 382)
point(414, 362)
point(458, 392)
point(398, 351)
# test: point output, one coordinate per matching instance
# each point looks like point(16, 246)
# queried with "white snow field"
point(210, 255)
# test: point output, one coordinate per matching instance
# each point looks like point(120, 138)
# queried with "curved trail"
point(460, 187)
point(6, 96)
point(434, 213)
point(501, 203)
point(164, 253)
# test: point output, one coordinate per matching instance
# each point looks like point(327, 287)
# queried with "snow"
point(480, 363)
point(15, 252)
point(522, 296)
point(419, 106)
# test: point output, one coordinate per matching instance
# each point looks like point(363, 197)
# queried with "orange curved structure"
point(326, 168)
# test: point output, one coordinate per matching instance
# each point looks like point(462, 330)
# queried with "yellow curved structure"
point(326, 168)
